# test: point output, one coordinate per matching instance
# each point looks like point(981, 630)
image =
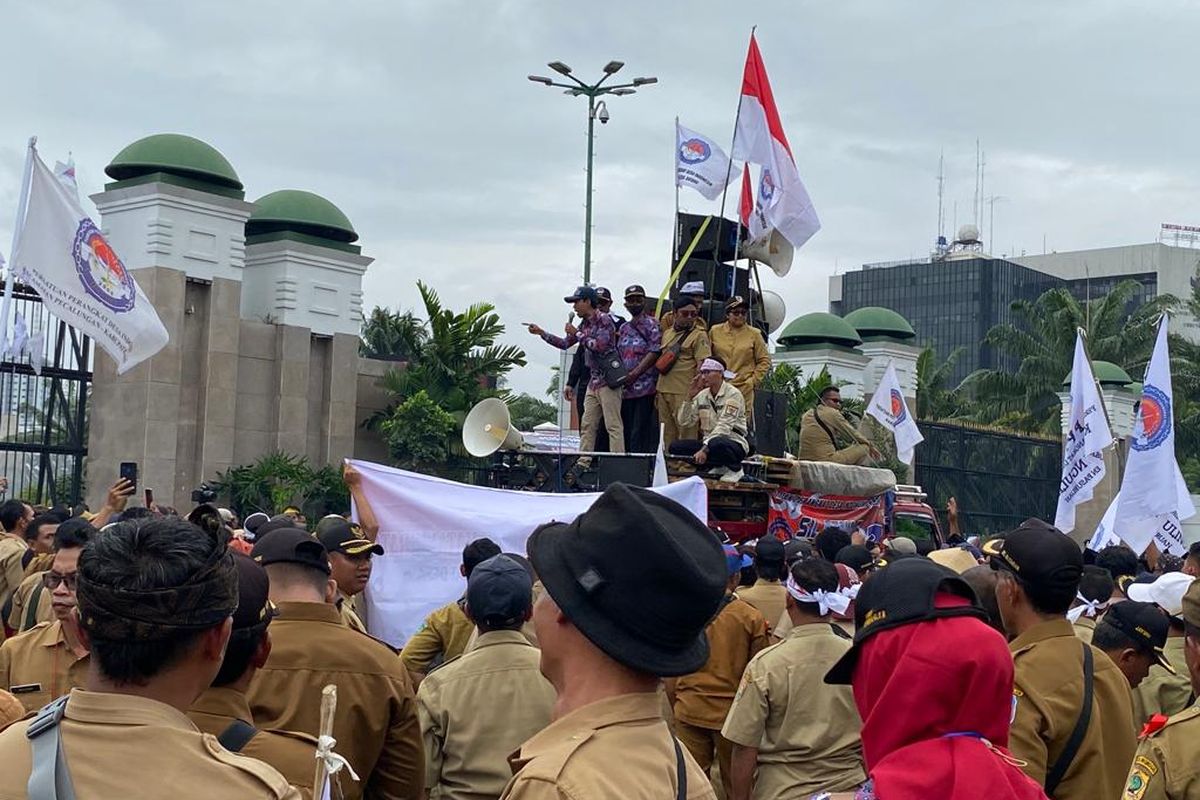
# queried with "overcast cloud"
point(415, 118)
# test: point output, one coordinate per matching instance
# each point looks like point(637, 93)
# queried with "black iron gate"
point(44, 418)
point(998, 478)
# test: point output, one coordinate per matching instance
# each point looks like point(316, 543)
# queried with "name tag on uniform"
point(25, 688)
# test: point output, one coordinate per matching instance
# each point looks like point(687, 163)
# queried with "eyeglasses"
point(737, 312)
point(51, 580)
point(684, 313)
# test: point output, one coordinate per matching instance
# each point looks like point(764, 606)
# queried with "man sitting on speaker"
point(825, 435)
point(597, 335)
point(695, 291)
point(721, 411)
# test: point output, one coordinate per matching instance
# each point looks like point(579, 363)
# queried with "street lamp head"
point(540, 79)
point(644, 81)
point(572, 92)
point(559, 67)
point(612, 67)
point(622, 92)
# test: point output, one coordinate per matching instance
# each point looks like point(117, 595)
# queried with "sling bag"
point(680, 770)
point(1063, 762)
point(49, 778)
point(237, 735)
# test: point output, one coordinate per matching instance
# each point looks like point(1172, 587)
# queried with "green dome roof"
point(301, 212)
point(174, 154)
point(878, 321)
point(820, 328)
point(1108, 374)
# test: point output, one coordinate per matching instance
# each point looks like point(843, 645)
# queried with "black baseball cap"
point(604, 294)
point(635, 290)
point(276, 523)
point(1145, 624)
point(769, 549)
point(902, 593)
point(737, 301)
point(254, 606)
point(797, 550)
point(1038, 554)
point(499, 592)
point(584, 293)
point(346, 538)
point(290, 546)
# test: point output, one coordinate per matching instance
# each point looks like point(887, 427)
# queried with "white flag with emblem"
point(888, 406)
point(61, 253)
point(1165, 531)
point(700, 163)
point(1153, 485)
point(1086, 437)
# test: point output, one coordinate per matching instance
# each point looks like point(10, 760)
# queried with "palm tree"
point(1043, 340)
point(392, 335)
point(934, 401)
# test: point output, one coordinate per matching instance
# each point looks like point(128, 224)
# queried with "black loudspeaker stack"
point(770, 422)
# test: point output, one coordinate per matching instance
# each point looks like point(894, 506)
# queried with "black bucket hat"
point(902, 593)
point(639, 575)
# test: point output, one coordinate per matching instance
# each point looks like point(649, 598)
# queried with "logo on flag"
point(101, 272)
point(899, 410)
point(694, 151)
point(1154, 420)
point(766, 187)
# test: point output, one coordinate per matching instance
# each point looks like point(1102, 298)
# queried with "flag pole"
point(675, 219)
point(729, 173)
point(11, 271)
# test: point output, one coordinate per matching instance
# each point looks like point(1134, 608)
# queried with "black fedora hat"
point(639, 575)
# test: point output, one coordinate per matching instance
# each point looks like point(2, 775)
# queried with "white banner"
point(1167, 533)
point(888, 406)
point(700, 163)
point(424, 523)
point(1087, 436)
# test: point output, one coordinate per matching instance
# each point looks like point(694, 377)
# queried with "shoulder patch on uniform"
point(1139, 779)
point(1147, 764)
point(264, 772)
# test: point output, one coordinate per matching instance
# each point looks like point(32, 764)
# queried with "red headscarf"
point(936, 702)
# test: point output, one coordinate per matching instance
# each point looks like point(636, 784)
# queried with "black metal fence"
point(998, 479)
point(44, 418)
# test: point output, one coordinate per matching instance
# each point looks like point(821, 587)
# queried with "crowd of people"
point(630, 653)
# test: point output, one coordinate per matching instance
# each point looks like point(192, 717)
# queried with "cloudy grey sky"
point(417, 120)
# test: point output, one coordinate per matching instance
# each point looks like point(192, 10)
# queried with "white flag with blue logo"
point(61, 253)
point(888, 406)
point(1086, 437)
point(1166, 532)
point(1153, 485)
point(700, 164)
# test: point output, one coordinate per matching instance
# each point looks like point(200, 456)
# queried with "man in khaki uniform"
point(1133, 635)
point(350, 559)
point(1163, 692)
point(694, 291)
point(702, 699)
point(127, 736)
point(800, 734)
point(446, 631)
point(477, 708)
point(222, 709)
point(742, 348)
point(49, 660)
point(605, 655)
point(1091, 601)
point(14, 551)
point(376, 724)
point(825, 435)
point(767, 594)
point(1164, 767)
point(690, 343)
point(30, 603)
point(1038, 577)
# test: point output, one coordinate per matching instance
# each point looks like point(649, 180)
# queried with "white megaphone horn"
point(772, 249)
point(488, 428)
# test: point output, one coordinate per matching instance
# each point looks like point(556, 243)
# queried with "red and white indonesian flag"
point(1087, 436)
point(760, 140)
point(700, 163)
point(61, 253)
point(888, 406)
point(1153, 485)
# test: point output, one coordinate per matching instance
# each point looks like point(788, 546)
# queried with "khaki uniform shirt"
point(38, 666)
point(1085, 629)
point(1048, 692)
point(619, 747)
point(695, 349)
point(769, 597)
point(376, 725)
point(815, 444)
point(735, 636)
point(475, 710)
point(744, 352)
point(1161, 692)
point(443, 636)
point(721, 415)
point(12, 567)
point(133, 748)
point(1165, 765)
point(807, 732)
point(31, 586)
point(11, 709)
point(293, 754)
point(350, 617)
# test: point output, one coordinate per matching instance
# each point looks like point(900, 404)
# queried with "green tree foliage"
point(418, 433)
point(935, 400)
point(392, 335)
point(528, 411)
point(802, 395)
point(278, 480)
